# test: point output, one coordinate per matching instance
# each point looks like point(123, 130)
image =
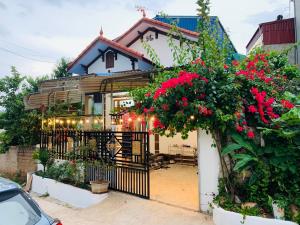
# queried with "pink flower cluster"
point(182, 79)
point(262, 105)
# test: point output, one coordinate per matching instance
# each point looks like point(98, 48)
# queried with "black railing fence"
point(126, 152)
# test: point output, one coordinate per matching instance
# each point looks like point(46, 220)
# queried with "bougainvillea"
point(241, 95)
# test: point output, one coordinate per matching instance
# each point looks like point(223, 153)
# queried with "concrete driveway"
point(123, 209)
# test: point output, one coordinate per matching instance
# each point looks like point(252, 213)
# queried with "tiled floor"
point(177, 185)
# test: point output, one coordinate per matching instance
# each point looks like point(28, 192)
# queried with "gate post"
point(208, 169)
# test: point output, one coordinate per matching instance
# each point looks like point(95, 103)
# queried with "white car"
point(18, 208)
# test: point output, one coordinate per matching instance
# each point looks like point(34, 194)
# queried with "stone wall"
point(17, 160)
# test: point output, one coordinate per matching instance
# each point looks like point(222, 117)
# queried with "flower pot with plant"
point(99, 184)
point(278, 205)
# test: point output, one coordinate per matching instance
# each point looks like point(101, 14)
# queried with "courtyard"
point(175, 185)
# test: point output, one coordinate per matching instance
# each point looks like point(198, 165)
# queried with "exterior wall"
point(209, 167)
point(297, 27)
point(159, 45)
point(165, 142)
point(280, 47)
point(121, 64)
point(17, 160)
point(257, 43)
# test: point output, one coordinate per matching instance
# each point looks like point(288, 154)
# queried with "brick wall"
point(17, 160)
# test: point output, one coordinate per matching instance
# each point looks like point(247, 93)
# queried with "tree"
point(21, 127)
point(61, 69)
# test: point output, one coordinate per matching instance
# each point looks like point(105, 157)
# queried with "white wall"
point(121, 64)
point(209, 169)
point(258, 43)
point(160, 46)
point(165, 142)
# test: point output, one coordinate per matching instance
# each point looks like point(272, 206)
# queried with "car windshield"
point(15, 209)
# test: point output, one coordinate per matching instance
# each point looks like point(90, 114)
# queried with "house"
point(275, 35)
point(106, 68)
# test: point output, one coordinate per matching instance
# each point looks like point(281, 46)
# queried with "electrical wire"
point(25, 57)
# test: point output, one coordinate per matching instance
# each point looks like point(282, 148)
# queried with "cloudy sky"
point(34, 34)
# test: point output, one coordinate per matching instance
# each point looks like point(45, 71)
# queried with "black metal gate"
point(128, 151)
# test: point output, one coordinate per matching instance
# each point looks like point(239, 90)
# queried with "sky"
point(35, 34)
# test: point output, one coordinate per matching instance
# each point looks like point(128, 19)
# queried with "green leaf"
point(241, 141)
point(243, 156)
point(230, 148)
point(242, 164)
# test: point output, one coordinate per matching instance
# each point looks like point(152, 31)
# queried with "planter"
point(66, 193)
point(99, 186)
point(223, 217)
point(278, 212)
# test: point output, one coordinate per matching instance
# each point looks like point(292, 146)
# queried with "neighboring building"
point(297, 27)
point(275, 35)
point(107, 68)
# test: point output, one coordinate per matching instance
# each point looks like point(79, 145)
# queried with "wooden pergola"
point(72, 89)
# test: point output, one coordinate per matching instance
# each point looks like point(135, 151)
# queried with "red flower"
point(184, 99)
point(205, 79)
point(252, 109)
point(151, 109)
point(158, 124)
point(254, 91)
point(165, 107)
point(235, 63)
point(287, 104)
point(239, 128)
point(182, 79)
point(145, 110)
point(148, 94)
point(138, 105)
point(250, 134)
point(198, 61)
point(226, 67)
point(202, 96)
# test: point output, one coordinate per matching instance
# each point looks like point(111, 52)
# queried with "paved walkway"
point(123, 209)
point(176, 185)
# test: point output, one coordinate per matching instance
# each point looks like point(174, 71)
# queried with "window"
point(15, 209)
point(110, 59)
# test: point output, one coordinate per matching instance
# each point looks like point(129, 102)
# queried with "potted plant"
point(278, 205)
point(99, 184)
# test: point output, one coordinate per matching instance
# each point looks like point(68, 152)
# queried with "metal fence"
point(126, 152)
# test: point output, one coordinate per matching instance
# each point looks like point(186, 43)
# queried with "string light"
point(68, 121)
point(121, 120)
point(95, 121)
point(81, 121)
point(73, 122)
point(57, 120)
point(61, 121)
point(129, 120)
point(139, 119)
point(87, 121)
point(152, 118)
point(192, 117)
point(102, 120)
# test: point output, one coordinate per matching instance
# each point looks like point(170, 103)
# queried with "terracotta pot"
point(99, 186)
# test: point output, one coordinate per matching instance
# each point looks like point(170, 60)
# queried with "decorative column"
point(208, 169)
